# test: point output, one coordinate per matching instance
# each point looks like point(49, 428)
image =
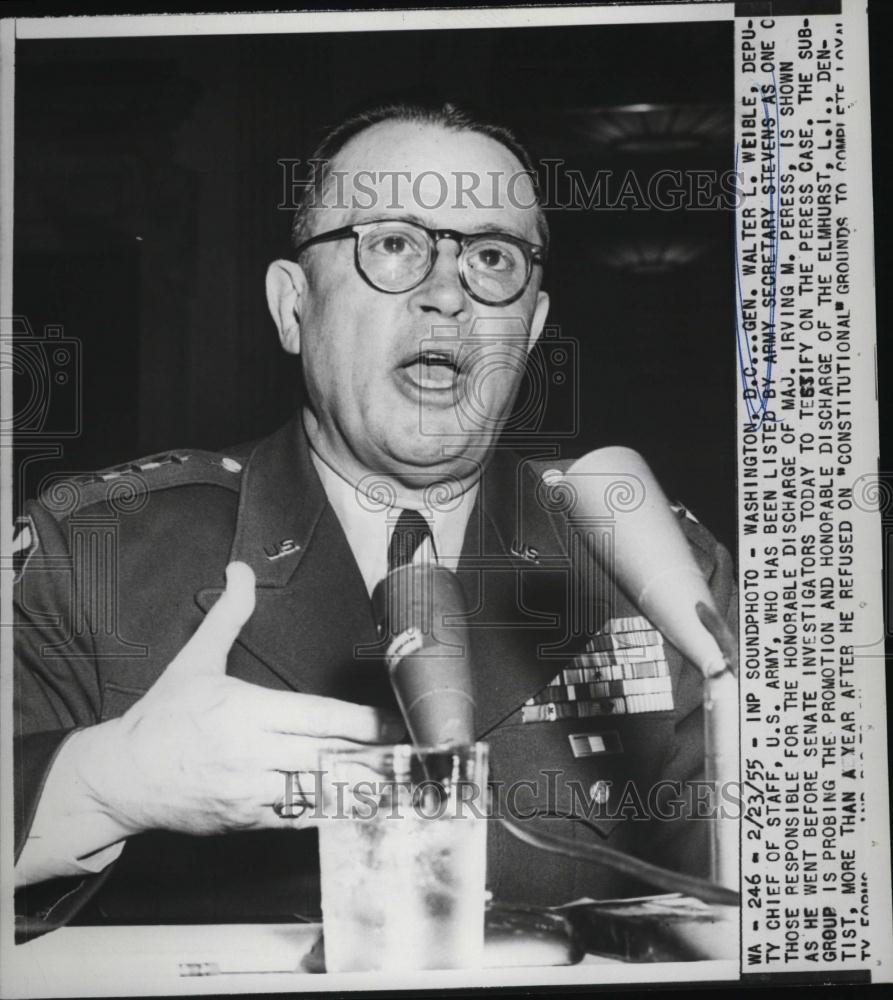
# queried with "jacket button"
point(600, 791)
point(231, 465)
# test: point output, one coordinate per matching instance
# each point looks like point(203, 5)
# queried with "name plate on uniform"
point(591, 744)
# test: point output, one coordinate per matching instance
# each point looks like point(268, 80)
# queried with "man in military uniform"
point(196, 626)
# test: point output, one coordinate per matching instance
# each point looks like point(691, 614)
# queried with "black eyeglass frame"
point(533, 253)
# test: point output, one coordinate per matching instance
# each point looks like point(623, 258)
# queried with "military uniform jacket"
point(595, 753)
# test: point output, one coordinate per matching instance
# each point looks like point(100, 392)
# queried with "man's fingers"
point(313, 715)
point(207, 650)
point(283, 752)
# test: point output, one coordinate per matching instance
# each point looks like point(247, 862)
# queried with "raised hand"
point(204, 753)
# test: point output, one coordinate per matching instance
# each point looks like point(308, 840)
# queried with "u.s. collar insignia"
point(287, 547)
point(526, 552)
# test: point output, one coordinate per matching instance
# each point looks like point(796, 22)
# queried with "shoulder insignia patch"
point(25, 543)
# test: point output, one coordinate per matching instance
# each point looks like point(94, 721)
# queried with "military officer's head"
point(413, 340)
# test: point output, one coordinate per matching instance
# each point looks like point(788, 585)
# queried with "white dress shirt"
point(369, 522)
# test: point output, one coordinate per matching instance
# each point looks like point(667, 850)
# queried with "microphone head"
point(428, 658)
point(615, 490)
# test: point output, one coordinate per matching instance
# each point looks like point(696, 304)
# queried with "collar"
point(368, 523)
point(282, 500)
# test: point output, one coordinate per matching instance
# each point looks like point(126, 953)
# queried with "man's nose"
point(442, 290)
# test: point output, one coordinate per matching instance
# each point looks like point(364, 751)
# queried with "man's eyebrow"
point(508, 230)
point(483, 227)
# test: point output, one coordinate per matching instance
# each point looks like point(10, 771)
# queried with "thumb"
point(206, 651)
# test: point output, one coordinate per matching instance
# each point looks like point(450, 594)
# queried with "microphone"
point(433, 680)
point(428, 657)
point(653, 564)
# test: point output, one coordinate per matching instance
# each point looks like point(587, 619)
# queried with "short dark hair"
point(447, 115)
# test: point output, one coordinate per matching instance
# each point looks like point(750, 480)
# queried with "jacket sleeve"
point(56, 691)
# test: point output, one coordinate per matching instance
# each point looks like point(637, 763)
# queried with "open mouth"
point(433, 369)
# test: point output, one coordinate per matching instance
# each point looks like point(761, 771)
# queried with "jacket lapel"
point(517, 578)
point(312, 608)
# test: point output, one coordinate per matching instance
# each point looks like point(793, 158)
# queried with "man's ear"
point(538, 321)
point(286, 288)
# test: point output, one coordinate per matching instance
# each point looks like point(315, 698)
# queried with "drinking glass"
point(402, 844)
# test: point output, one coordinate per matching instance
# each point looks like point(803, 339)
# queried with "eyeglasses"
point(396, 255)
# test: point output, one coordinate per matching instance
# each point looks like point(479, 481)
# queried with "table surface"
point(229, 958)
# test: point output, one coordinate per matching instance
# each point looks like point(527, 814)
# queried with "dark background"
point(146, 196)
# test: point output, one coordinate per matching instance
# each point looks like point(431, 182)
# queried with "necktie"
point(409, 534)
